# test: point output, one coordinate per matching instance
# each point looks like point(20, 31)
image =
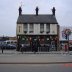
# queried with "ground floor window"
point(44, 41)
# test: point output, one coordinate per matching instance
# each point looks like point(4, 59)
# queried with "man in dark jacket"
point(34, 47)
point(2, 49)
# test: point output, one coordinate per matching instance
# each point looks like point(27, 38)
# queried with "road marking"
point(68, 65)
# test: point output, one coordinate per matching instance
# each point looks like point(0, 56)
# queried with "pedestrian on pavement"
point(2, 49)
point(22, 46)
point(65, 48)
point(48, 48)
point(31, 44)
point(38, 45)
point(35, 47)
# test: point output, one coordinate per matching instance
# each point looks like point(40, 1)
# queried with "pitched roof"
point(37, 19)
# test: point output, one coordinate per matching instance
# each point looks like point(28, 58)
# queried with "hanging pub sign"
point(66, 33)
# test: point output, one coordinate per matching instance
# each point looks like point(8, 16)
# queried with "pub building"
point(43, 28)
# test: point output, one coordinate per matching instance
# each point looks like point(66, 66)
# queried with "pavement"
point(14, 57)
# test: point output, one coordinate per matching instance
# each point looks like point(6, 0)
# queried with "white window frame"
point(41, 27)
point(31, 28)
point(25, 28)
point(47, 28)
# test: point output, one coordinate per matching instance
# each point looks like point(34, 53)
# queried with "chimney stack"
point(20, 11)
point(53, 11)
point(37, 9)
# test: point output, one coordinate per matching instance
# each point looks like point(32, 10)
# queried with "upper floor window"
point(31, 28)
point(25, 28)
point(19, 28)
point(41, 28)
point(47, 28)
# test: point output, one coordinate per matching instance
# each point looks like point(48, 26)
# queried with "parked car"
point(7, 46)
point(11, 46)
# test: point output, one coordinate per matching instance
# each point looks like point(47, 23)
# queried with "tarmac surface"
point(14, 57)
point(35, 67)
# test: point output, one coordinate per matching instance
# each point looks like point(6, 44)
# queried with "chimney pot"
point(53, 11)
point(20, 11)
point(37, 9)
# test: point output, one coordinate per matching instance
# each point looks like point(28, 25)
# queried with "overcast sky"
point(9, 12)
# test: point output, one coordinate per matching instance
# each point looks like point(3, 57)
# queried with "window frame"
point(41, 27)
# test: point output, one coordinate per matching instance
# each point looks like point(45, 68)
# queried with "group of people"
point(34, 46)
point(65, 48)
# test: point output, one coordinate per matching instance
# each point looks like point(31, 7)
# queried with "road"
point(34, 58)
point(35, 67)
